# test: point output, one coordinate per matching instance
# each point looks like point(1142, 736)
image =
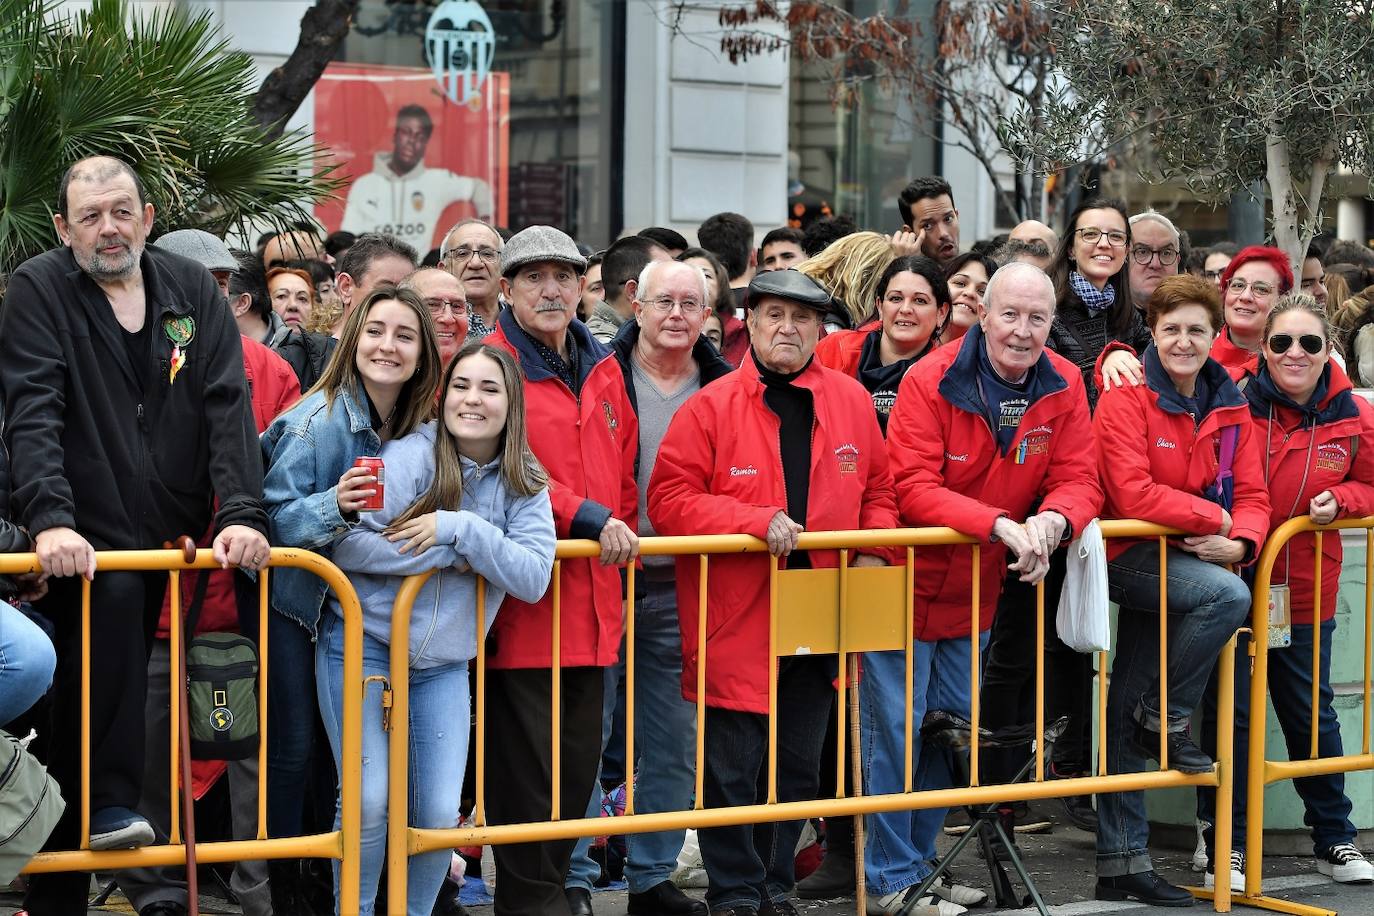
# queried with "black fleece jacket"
point(114, 447)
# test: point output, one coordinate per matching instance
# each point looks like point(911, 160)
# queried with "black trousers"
point(519, 777)
point(1008, 689)
point(124, 612)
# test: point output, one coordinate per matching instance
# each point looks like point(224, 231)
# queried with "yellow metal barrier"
point(341, 844)
point(840, 611)
point(1263, 772)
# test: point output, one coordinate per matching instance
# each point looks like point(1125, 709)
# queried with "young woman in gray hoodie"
point(465, 497)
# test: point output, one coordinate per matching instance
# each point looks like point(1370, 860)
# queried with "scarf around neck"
point(1094, 300)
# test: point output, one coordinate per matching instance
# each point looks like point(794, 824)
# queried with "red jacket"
point(273, 387)
point(1235, 360)
point(948, 471)
point(841, 350)
point(1333, 450)
point(1155, 463)
point(719, 471)
point(588, 444)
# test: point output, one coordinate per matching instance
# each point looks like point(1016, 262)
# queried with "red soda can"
point(378, 470)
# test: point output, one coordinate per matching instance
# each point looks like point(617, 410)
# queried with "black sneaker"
point(834, 878)
point(1184, 755)
point(1078, 809)
point(1029, 818)
point(781, 907)
point(664, 899)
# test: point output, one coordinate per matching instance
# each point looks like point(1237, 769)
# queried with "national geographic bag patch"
point(222, 696)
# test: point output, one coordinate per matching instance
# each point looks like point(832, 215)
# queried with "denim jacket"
point(306, 450)
point(507, 539)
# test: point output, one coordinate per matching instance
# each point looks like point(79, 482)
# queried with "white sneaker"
point(1345, 864)
point(926, 906)
point(962, 894)
point(1237, 874)
point(1200, 851)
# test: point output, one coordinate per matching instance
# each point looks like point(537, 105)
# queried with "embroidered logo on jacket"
point(611, 422)
point(747, 471)
point(1161, 442)
point(847, 457)
point(1332, 456)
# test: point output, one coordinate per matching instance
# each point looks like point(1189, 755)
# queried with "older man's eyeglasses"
point(668, 303)
point(1144, 254)
point(437, 306)
point(1091, 234)
point(464, 253)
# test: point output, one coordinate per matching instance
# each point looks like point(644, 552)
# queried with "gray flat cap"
point(790, 284)
point(199, 246)
point(540, 243)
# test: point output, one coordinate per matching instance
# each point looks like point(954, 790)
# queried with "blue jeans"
point(900, 850)
point(1326, 807)
point(291, 726)
point(665, 742)
point(439, 715)
point(27, 660)
point(748, 864)
point(1207, 604)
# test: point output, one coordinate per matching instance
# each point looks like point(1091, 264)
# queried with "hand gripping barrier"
point(1264, 772)
point(341, 844)
point(844, 611)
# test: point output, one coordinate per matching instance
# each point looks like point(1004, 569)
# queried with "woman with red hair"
point(1250, 286)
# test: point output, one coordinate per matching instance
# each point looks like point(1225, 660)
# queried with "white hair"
point(1155, 216)
point(650, 269)
point(1008, 272)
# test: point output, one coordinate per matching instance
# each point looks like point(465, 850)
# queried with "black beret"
point(790, 284)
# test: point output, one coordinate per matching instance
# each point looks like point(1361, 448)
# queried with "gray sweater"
point(507, 539)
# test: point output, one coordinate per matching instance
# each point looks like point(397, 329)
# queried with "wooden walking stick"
point(856, 770)
point(188, 800)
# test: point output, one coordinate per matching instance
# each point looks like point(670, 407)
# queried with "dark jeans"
point(301, 780)
point(1327, 809)
point(124, 612)
point(1008, 691)
point(747, 864)
point(1206, 606)
point(519, 776)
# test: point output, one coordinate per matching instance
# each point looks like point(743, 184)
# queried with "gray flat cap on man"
point(538, 244)
point(790, 284)
point(199, 246)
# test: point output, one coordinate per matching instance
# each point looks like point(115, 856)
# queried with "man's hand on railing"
point(782, 534)
point(1213, 548)
point(1046, 529)
point(1323, 508)
point(63, 552)
point(619, 543)
point(241, 546)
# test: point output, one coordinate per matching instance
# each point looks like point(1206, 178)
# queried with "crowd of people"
point(520, 389)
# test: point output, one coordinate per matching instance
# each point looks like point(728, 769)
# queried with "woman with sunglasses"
point(1250, 286)
point(912, 307)
point(1179, 451)
point(1319, 463)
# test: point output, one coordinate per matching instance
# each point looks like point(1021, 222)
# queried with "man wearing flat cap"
point(778, 446)
point(584, 431)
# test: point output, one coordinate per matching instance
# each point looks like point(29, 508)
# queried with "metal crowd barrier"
point(839, 611)
point(1264, 772)
point(341, 844)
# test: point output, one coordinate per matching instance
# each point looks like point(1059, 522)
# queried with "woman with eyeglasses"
point(1250, 286)
point(1319, 464)
point(1092, 287)
point(912, 303)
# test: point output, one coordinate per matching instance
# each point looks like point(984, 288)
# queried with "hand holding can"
point(362, 487)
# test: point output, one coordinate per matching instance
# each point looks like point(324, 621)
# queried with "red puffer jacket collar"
point(948, 471)
point(719, 471)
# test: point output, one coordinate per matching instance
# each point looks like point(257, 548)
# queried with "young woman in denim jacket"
point(465, 497)
point(378, 386)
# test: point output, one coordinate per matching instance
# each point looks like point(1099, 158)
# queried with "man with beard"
point(122, 376)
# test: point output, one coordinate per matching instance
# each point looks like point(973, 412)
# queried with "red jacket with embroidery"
point(1156, 461)
point(841, 350)
point(1235, 360)
point(719, 471)
point(948, 471)
point(588, 443)
point(1332, 450)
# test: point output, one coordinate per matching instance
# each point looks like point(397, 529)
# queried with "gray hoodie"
point(505, 538)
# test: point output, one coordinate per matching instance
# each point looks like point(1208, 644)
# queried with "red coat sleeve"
point(1071, 487)
point(916, 440)
point(1250, 507)
point(1355, 494)
point(1123, 465)
point(679, 501)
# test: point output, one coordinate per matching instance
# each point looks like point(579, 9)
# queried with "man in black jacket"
point(123, 382)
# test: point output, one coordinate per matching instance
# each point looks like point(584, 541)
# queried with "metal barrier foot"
point(1261, 902)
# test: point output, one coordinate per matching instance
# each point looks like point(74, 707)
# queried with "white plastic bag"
point(1082, 618)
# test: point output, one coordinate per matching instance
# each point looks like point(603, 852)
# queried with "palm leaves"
point(162, 91)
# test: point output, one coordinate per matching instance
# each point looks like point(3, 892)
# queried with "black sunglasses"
point(1312, 343)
